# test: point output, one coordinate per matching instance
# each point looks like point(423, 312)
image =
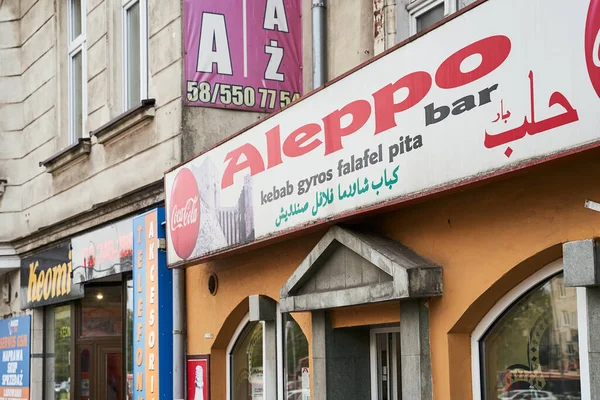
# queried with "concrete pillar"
point(414, 350)
point(270, 367)
point(264, 309)
point(319, 355)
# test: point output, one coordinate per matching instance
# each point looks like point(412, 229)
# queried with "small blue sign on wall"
point(153, 310)
point(15, 334)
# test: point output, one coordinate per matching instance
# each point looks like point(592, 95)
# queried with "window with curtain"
point(532, 350)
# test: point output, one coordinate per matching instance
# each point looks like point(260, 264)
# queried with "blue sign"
point(153, 310)
point(14, 357)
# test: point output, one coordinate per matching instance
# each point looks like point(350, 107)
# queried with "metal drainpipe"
point(319, 55)
point(178, 334)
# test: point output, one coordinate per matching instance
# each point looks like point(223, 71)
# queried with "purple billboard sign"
point(243, 54)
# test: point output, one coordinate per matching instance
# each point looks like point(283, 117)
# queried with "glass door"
point(110, 373)
point(385, 364)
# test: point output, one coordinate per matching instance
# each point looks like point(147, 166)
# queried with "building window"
point(58, 352)
point(77, 69)
point(425, 13)
point(135, 49)
point(532, 349)
point(385, 364)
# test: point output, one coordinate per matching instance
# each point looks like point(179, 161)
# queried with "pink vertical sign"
point(243, 54)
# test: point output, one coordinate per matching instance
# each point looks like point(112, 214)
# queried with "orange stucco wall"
point(487, 239)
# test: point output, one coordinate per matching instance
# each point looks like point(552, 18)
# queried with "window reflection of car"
point(297, 394)
point(527, 395)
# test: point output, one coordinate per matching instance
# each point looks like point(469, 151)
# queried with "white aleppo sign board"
point(508, 84)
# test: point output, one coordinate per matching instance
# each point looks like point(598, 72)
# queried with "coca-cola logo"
point(184, 224)
point(592, 44)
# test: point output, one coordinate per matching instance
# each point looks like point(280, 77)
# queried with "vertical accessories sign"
point(153, 310)
point(14, 364)
point(198, 377)
point(243, 54)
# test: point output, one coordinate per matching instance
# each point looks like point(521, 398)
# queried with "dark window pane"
point(75, 18)
point(430, 17)
point(134, 74)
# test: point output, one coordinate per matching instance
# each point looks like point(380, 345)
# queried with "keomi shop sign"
point(46, 278)
point(474, 98)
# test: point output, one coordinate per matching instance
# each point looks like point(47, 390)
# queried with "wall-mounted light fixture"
point(3, 183)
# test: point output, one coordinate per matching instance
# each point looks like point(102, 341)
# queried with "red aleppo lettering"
point(493, 50)
point(253, 161)
point(360, 110)
point(418, 85)
point(295, 144)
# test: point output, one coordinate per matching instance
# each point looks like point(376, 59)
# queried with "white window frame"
point(143, 6)
point(373, 358)
point(77, 45)
point(420, 7)
point(511, 298)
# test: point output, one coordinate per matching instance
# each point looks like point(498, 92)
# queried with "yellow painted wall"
point(487, 239)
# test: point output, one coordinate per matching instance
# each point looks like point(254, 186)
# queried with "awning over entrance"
point(351, 267)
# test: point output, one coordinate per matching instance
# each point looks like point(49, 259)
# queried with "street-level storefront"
point(86, 290)
point(423, 227)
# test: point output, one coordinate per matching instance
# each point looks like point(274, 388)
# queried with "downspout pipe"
point(178, 334)
point(319, 55)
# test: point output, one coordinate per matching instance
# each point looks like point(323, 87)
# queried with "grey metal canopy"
point(351, 267)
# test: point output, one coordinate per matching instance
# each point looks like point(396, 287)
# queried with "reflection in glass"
point(113, 376)
point(247, 364)
point(295, 359)
point(129, 339)
point(58, 353)
point(101, 311)
point(532, 350)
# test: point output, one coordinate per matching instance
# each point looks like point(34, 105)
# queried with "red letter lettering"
point(493, 50)
point(360, 110)
point(273, 147)
point(418, 85)
point(293, 145)
point(253, 161)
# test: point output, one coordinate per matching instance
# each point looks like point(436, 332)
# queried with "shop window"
point(247, 360)
point(385, 364)
point(247, 379)
point(58, 353)
point(101, 311)
point(295, 361)
point(532, 350)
